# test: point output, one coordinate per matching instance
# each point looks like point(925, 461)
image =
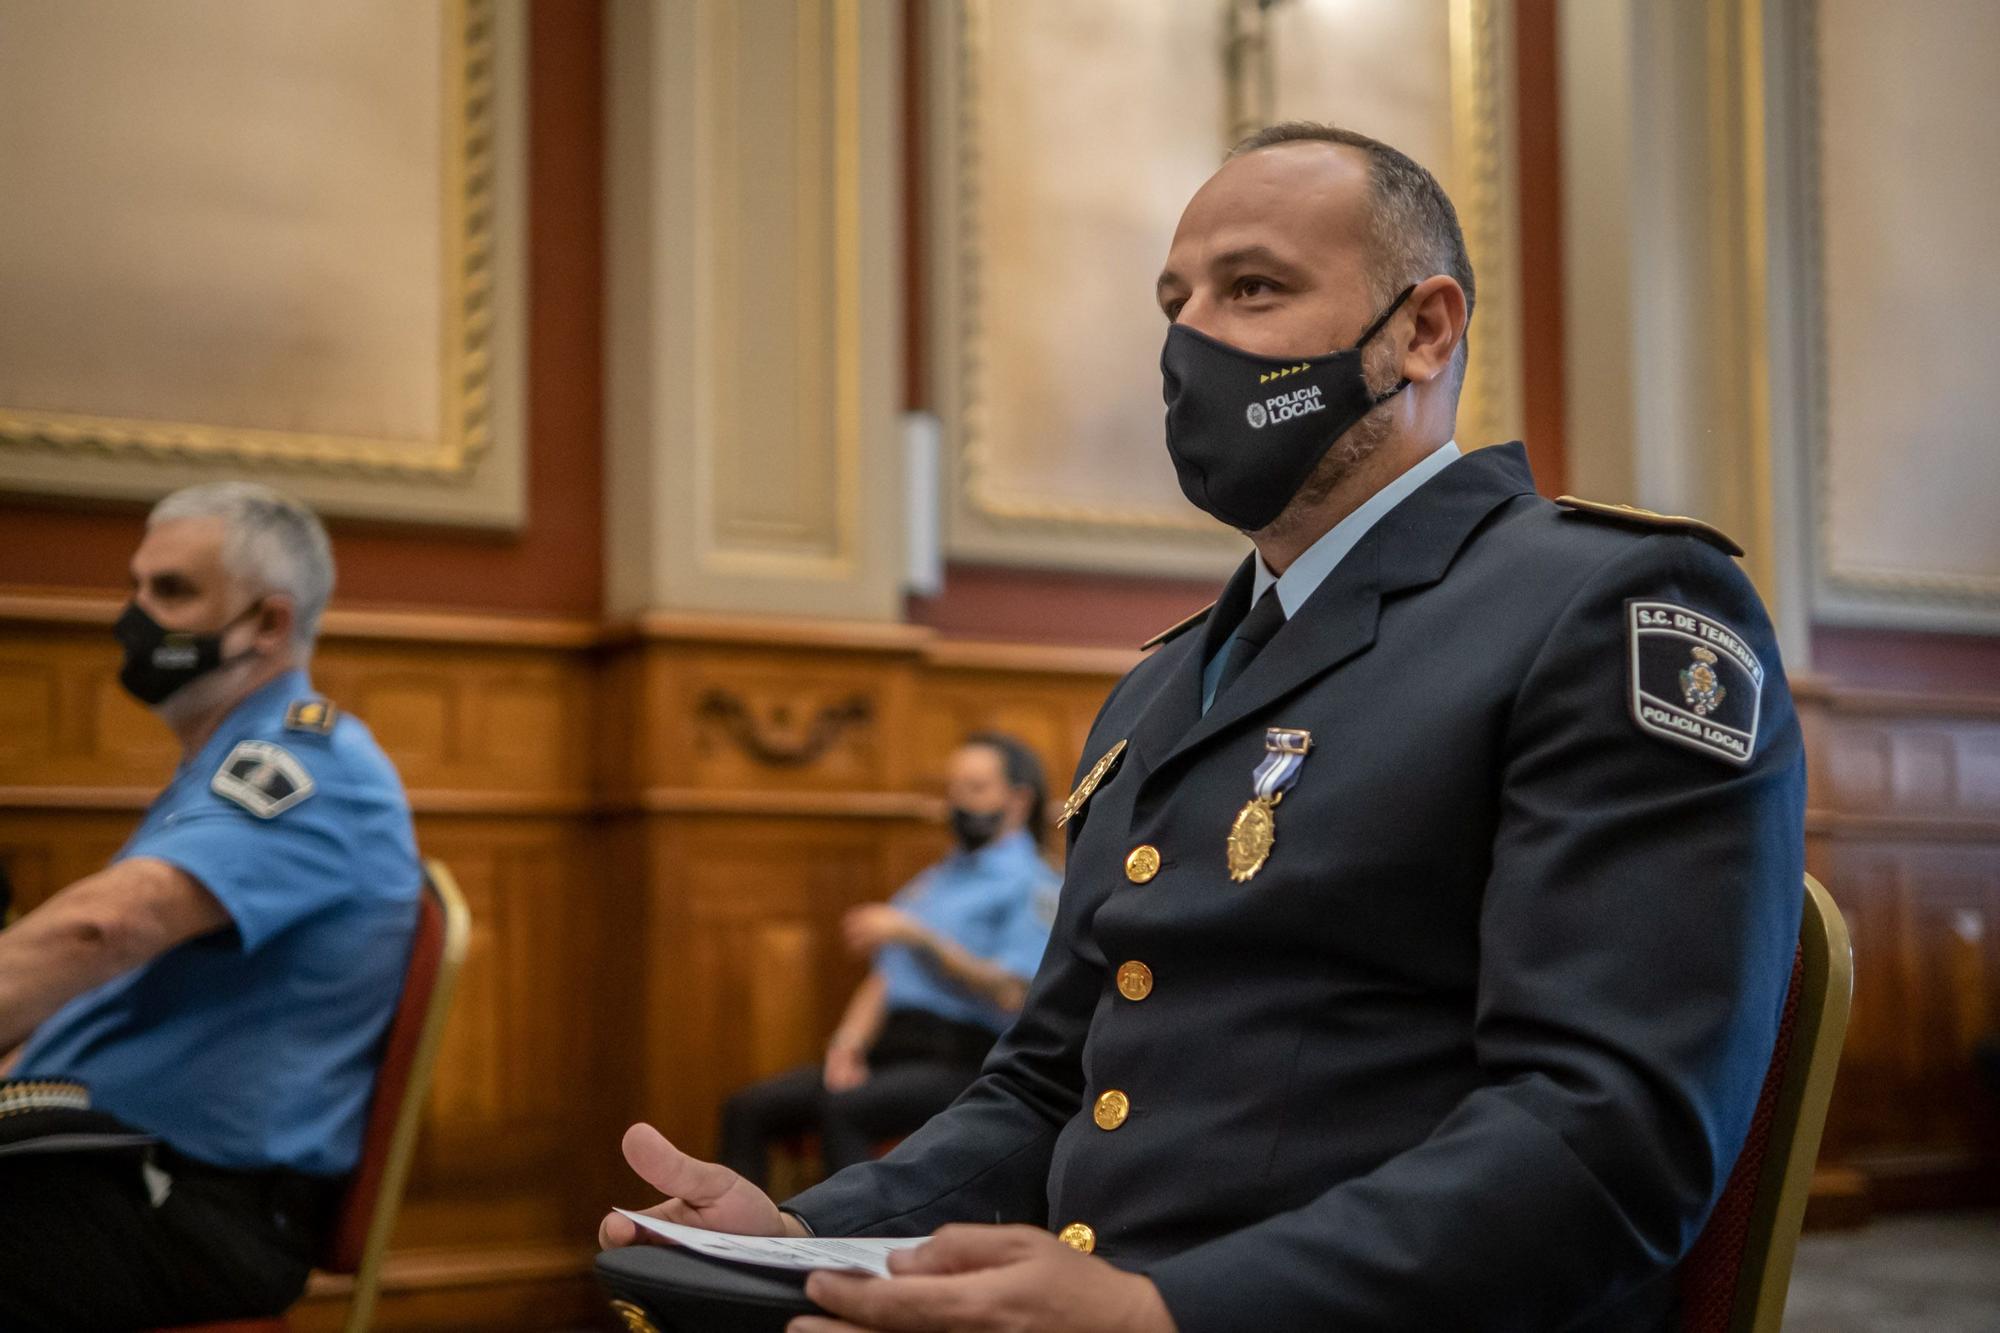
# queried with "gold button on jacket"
point(1111, 1110)
point(1135, 980)
point(1078, 1237)
point(1142, 864)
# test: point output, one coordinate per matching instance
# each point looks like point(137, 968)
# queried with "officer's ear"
point(275, 618)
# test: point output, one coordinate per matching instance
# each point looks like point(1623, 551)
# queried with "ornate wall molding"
point(1849, 588)
point(994, 514)
point(754, 336)
point(466, 467)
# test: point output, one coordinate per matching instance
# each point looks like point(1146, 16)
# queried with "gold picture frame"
point(470, 470)
point(993, 517)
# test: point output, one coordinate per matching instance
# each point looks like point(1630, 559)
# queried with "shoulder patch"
point(1633, 516)
point(1178, 628)
point(1693, 680)
point(262, 778)
point(313, 715)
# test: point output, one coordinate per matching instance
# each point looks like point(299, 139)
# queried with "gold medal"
point(1252, 836)
point(1089, 784)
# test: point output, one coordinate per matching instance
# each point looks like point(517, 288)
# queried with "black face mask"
point(1245, 431)
point(159, 661)
point(974, 830)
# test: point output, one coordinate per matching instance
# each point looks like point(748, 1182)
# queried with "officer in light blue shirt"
point(953, 952)
point(224, 985)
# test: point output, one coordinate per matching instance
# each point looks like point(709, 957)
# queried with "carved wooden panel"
point(1905, 811)
point(772, 718)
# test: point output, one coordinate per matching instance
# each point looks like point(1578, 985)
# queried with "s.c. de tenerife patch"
point(262, 778)
point(1694, 680)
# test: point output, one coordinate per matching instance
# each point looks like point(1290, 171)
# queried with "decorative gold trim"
point(1942, 591)
point(1485, 191)
point(465, 336)
point(1751, 114)
point(1490, 406)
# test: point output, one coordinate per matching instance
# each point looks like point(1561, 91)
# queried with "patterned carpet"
point(1924, 1273)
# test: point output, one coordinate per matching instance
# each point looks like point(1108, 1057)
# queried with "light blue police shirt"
point(1302, 579)
point(996, 903)
point(256, 1047)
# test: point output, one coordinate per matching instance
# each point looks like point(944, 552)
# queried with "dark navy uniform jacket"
point(1477, 1047)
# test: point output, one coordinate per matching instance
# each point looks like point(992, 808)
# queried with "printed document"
point(865, 1254)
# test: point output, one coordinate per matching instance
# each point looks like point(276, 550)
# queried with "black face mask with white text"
point(160, 661)
point(1245, 431)
point(975, 828)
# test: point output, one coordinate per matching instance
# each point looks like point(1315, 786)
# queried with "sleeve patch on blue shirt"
point(262, 778)
point(1694, 681)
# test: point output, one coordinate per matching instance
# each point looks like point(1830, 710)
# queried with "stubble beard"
point(1359, 443)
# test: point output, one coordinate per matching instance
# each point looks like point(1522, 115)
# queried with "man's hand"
point(870, 927)
point(846, 1068)
point(979, 1277)
point(699, 1194)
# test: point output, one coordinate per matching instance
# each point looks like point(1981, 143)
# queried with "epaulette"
point(313, 715)
point(1177, 629)
point(1633, 516)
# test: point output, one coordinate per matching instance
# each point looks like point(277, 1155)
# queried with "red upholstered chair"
point(1735, 1278)
point(367, 1215)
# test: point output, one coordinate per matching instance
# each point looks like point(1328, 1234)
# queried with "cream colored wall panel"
point(754, 308)
point(1067, 140)
point(262, 237)
point(1907, 181)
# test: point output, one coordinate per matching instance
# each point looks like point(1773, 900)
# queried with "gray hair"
point(270, 542)
point(1414, 229)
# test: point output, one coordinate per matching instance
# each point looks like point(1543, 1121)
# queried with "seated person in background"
point(225, 983)
point(953, 950)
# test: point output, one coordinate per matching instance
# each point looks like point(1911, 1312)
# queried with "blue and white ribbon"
point(1284, 755)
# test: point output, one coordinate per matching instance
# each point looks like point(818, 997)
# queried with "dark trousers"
point(919, 1064)
point(83, 1246)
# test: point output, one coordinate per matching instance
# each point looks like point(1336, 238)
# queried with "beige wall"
point(281, 237)
point(1777, 292)
point(1904, 155)
point(754, 331)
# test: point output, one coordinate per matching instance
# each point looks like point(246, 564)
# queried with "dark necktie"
point(1265, 619)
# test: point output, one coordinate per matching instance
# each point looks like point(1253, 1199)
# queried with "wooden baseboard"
point(1838, 1200)
point(520, 1289)
point(1928, 1181)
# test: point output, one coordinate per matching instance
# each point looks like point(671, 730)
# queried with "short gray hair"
point(270, 542)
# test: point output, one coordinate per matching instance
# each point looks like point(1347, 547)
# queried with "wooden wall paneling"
point(746, 975)
point(1875, 1064)
point(748, 718)
point(468, 725)
point(1904, 820)
point(64, 721)
point(42, 850)
point(1952, 912)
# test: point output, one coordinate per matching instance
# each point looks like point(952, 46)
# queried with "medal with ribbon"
point(1255, 831)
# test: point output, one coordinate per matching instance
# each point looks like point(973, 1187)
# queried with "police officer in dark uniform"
point(1431, 899)
point(224, 984)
